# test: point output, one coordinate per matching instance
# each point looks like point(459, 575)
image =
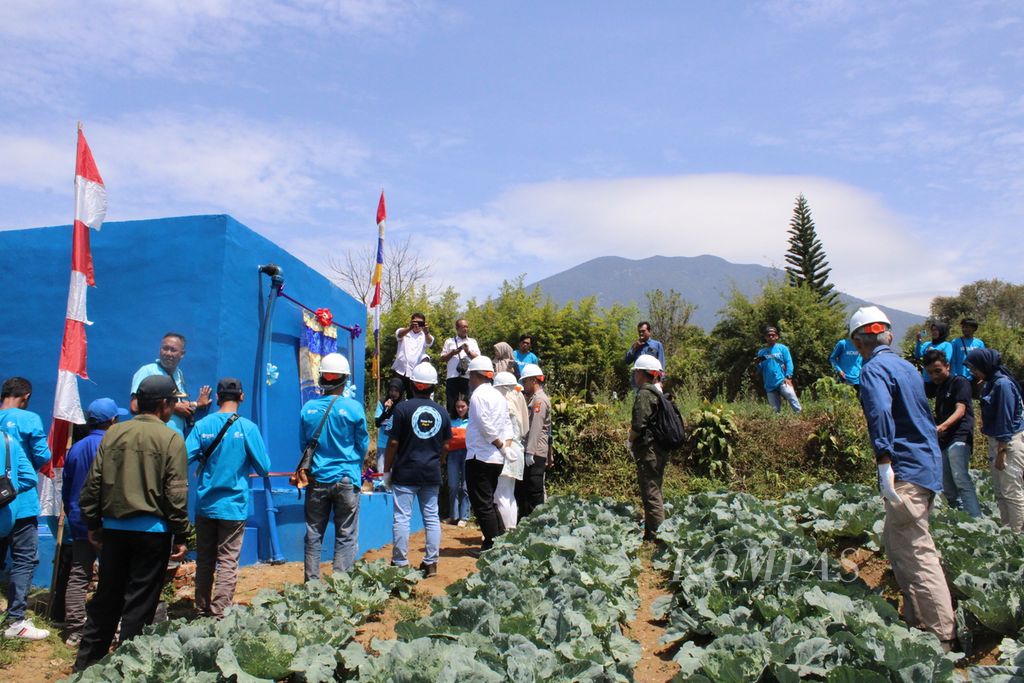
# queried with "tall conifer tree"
point(808, 264)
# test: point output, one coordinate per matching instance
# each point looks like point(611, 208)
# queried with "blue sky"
point(528, 137)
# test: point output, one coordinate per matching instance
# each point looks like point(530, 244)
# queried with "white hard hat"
point(648, 363)
point(480, 364)
point(865, 315)
point(424, 373)
point(505, 379)
point(334, 363)
point(531, 370)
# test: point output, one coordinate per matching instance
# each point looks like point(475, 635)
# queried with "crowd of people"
point(126, 481)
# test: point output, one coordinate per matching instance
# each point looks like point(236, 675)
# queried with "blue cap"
point(104, 410)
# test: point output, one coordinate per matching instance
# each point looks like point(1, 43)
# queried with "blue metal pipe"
point(260, 386)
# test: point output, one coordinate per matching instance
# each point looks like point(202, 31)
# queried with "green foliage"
point(808, 327)
point(588, 441)
point(841, 433)
point(712, 436)
point(1003, 302)
point(808, 265)
point(297, 632)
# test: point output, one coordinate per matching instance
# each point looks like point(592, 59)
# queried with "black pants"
point(132, 569)
point(453, 387)
point(530, 491)
point(481, 480)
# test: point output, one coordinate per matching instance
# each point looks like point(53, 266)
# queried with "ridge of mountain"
point(706, 281)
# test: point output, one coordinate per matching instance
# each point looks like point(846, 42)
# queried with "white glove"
point(528, 460)
point(887, 483)
point(387, 480)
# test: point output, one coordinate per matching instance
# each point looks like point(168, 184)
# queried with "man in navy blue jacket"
point(909, 463)
point(102, 414)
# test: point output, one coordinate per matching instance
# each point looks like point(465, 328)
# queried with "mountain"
point(705, 281)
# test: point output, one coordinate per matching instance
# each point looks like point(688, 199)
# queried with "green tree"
point(807, 325)
point(669, 314)
point(984, 299)
point(808, 264)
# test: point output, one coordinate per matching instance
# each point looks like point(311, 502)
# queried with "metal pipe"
point(261, 402)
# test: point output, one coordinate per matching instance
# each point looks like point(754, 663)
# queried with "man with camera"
point(457, 352)
point(413, 341)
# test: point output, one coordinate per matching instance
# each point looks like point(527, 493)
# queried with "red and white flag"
point(90, 209)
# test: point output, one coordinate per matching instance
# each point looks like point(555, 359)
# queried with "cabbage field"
point(757, 591)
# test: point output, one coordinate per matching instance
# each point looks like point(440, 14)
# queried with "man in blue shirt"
point(523, 354)
point(101, 414)
point(909, 461)
point(645, 346)
point(335, 472)
point(962, 346)
point(420, 432)
point(846, 361)
point(227, 450)
point(27, 429)
point(172, 350)
point(776, 364)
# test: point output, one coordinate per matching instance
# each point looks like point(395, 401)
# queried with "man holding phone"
point(413, 341)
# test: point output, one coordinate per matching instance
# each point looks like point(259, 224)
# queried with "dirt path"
point(656, 663)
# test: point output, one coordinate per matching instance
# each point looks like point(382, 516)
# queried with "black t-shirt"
point(421, 428)
point(955, 390)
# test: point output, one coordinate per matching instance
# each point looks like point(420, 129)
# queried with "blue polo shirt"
point(651, 347)
point(177, 422)
point(343, 441)
point(23, 476)
point(76, 469)
point(899, 419)
point(776, 365)
point(961, 347)
point(27, 429)
point(846, 358)
point(523, 358)
point(222, 488)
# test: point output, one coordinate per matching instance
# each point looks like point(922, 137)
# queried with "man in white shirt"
point(412, 345)
point(488, 434)
point(457, 350)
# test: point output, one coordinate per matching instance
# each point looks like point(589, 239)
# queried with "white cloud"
point(546, 227)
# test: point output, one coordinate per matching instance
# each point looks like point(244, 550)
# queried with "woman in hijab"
point(505, 491)
point(1002, 413)
point(382, 417)
point(503, 359)
point(939, 332)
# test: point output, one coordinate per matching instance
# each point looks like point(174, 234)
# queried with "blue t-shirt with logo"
point(342, 443)
point(222, 488)
point(27, 429)
point(421, 428)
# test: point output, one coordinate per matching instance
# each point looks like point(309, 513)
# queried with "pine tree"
point(808, 264)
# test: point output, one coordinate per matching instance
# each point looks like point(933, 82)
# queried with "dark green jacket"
point(645, 407)
point(141, 467)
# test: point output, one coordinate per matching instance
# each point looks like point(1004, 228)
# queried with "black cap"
point(156, 387)
point(229, 385)
point(970, 321)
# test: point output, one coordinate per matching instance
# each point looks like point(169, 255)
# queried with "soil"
point(655, 663)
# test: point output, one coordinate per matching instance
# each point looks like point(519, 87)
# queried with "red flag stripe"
point(382, 212)
point(73, 348)
point(81, 254)
point(85, 166)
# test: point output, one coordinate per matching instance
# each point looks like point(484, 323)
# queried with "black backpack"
point(668, 427)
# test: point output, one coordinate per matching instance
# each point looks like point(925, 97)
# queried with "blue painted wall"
point(197, 275)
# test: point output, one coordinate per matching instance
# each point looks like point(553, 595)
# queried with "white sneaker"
point(23, 628)
point(462, 523)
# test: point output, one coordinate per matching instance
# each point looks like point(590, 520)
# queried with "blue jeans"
point(23, 542)
point(458, 494)
point(776, 395)
point(957, 485)
point(403, 497)
point(343, 498)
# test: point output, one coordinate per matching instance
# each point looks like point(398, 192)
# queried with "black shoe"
point(428, 570)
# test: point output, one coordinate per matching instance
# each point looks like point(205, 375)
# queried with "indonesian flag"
point(378, 271)
point(90, 209)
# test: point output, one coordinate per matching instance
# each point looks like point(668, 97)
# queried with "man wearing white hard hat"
point(488, 436)
point(530, 491)
point(649, 456)
point(420, 432)
point(909, 463)
point(333, 428)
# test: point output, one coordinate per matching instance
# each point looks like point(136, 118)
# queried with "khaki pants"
point(218, 544)
point(915, 562)
point(650, 470)
point(1008, 484)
